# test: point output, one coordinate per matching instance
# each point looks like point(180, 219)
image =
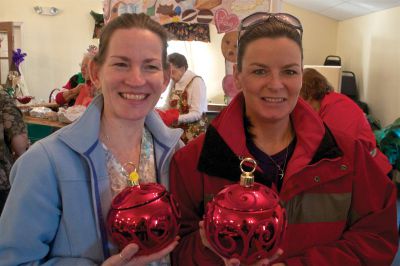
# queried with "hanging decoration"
point(98, 24)
point(188, 32)
point(224, 14)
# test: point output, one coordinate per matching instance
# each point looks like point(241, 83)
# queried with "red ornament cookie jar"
point(246, 220)
point(144, 214)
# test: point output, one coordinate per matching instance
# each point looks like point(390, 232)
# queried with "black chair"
point(333, 60)
point(349, 86)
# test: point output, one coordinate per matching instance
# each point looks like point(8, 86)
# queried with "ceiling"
point(341, 10)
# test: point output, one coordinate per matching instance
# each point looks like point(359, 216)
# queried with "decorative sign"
point(224, 14)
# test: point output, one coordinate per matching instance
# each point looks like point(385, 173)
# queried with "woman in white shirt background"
point(188, 95)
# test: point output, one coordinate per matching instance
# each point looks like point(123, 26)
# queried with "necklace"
point(129, 169)
point(281, 170)
point(133, 176)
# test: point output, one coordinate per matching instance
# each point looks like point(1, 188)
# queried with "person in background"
point(188, 95)
point(340, 112)
point(89, 91)
point(62, 187)
point(13, 141)
point(340, 206)
point(70, 92)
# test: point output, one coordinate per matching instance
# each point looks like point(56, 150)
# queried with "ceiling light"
point(48, 11)
point(38, 9)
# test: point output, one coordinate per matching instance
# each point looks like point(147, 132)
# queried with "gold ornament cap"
point(247, 178)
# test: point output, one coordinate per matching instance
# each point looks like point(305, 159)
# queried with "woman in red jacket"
point(340, 112)
point(341, 207)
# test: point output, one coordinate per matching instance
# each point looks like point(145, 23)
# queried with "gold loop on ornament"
point(251, 160)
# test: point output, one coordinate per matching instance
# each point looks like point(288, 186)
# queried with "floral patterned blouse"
point(12, 124)
point(119, 173)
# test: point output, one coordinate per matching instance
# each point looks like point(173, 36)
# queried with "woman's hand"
point(127, 256)
point(236, 262)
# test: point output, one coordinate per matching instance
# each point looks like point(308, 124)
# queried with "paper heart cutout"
point(224, 21)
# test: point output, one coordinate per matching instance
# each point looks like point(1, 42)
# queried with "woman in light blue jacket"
point(63, 186)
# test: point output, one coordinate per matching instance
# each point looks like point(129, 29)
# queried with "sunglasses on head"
point(261, 17)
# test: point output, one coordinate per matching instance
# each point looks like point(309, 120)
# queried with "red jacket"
point(341, 113)
point(341, 207)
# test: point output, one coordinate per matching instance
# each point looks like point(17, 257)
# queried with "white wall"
point(54, 45)
point(369, 46)
point(319, 36)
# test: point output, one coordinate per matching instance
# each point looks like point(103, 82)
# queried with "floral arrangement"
point(18, 57)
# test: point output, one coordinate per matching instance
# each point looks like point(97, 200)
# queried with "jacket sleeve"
point(186, 184)
point(371, 237)
point(31, 217)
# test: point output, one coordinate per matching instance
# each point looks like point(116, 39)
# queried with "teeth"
point(273, 100)
point(131, 96)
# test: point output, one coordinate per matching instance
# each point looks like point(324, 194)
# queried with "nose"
point(135, 77)
point(275, 81)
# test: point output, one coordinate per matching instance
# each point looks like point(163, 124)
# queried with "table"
point(39, 128)
point(43, 122)
point(26, 106)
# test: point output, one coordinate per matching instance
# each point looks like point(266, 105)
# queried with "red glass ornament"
point(147, 215)
point(246, 220)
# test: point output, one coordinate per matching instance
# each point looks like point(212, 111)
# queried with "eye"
point(152, 67)
point(259, 71)
point(290, 72)
point(120, 64)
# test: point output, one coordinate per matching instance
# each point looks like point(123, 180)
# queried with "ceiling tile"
point(344, 9)
point(314, 5)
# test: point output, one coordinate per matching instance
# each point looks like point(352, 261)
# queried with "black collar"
point(217, 159)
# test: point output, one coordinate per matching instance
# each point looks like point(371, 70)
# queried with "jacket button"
point(317, 179)
point(343, 167)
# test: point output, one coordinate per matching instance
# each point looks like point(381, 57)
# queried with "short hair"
point(128, 21)
point(271, 28)
point(178, 60)
point(315, 85)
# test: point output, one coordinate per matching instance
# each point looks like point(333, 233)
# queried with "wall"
point(319, 36)
point(368, 46)
point(54, 45)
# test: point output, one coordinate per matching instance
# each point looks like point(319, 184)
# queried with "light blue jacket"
point(53, 214)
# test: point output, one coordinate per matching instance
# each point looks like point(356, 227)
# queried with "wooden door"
point(6, 49)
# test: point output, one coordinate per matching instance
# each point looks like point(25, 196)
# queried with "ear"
point(94, 73)
point(236, 77)
point(167, 77)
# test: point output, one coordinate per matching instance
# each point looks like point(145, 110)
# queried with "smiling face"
point(131, 81)
point(271, 79)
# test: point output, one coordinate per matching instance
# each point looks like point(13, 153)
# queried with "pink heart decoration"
point(224, 21)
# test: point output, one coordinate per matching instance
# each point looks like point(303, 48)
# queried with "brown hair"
point(178, 60)
point(315, 85)
point(128, 21)
point(271, 28)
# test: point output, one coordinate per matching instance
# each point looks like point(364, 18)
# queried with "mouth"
point(133, 96)
point(273, 99)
